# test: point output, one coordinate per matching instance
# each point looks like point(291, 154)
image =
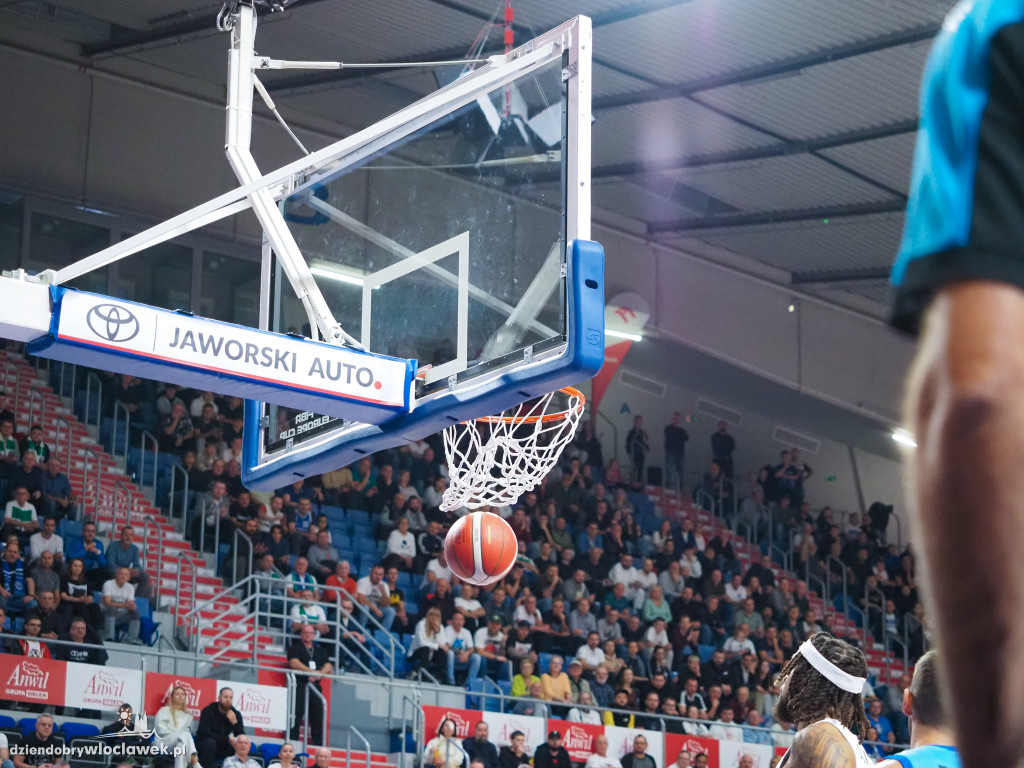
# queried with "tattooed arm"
point(820, 746)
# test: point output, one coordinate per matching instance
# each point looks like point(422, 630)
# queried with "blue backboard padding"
point(283, 393)
point(582, 359)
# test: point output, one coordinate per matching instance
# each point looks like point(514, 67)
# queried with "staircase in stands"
point(109, 497)
point(677, 506)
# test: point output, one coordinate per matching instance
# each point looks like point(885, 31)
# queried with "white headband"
point(830, 671)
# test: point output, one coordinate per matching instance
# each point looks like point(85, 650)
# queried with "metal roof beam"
point(821, 215)
point(335, 77)
point(869, 274)
point(777, 69)
point(781, 149)
point(120, 44)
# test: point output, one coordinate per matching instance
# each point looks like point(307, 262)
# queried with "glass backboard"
point(458, 242)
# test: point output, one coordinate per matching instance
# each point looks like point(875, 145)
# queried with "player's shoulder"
point(821, 745)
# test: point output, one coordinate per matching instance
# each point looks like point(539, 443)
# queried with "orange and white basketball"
point(481, 548)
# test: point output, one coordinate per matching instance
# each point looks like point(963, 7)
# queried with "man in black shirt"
point(639, 758)
point(514, 755)
point(551, 754)
point(722, 446)
point(37, 748)
point(219, 724)
point(309, 661)
point(479, 748)
point(637, 446)
point(84, 650)
point(675, 452)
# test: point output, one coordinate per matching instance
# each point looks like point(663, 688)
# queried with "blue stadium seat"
point(7, 722)
point(27, 726)
point(404, 580)
point(340, 539)
point(269, 751)
point(334, 514)
point(358, 517)
point(71, 730)
point(363, 532)
point(543, 659)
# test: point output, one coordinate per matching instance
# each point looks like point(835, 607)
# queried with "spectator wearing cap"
point(577, 685)
point(479, 748)
point(551, 754)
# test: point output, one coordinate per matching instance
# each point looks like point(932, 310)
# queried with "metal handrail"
point(184, 618)
point(10, 365)
point(88, 398)
point(829, 559)
point(615, 434)
point(238, 532)
point(150, 437)
point(33, 395)
point(123, 489)
point(175, 470)
point(120, 407)
point(899, 531)
point(824, 587)
point(749, 538)
point(88, 454)
point(417, 712)
point(868, 607)
point(305, 731)
point(147, 523)
point(785, 559)
point(348, 749)
point(67, 453)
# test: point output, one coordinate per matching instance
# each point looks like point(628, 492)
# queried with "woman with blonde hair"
point(173, 728)
point(429, 647)
point(444, 750)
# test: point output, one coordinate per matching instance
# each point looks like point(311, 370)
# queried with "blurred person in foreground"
point(931, 737)
point(821, 693)
point(959, 281)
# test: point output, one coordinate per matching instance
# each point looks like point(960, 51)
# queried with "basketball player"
point(931, 740)
point(960, 277)
point(821, 693)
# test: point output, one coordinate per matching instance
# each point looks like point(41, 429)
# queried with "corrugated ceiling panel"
point(608, 82)
point(862, 92)
point(636, 202)
point(667, 129)
point(780, 183)
point(143, 14)
point(887, 160)
point(541, 15)
point(854, 243)
point(710, 37)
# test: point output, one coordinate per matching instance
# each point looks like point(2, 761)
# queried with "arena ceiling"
point(776, 134)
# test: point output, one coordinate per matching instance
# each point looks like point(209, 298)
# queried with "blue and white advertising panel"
point(89, 329)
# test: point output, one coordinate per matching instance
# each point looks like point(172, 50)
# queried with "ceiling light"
point(623, 335)
point(903, 437)
point(332, 274)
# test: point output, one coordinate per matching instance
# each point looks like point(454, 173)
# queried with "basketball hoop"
point(494, 460)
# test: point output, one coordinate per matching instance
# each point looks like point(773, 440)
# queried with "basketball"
point(481, 548)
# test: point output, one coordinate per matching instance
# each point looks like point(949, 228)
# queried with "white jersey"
point(860, 757)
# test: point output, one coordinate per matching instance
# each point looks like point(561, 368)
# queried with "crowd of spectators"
point(619, 616)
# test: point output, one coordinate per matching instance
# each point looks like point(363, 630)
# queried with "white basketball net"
point(494, 460)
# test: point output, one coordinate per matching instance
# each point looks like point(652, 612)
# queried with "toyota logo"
point(113, 323)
